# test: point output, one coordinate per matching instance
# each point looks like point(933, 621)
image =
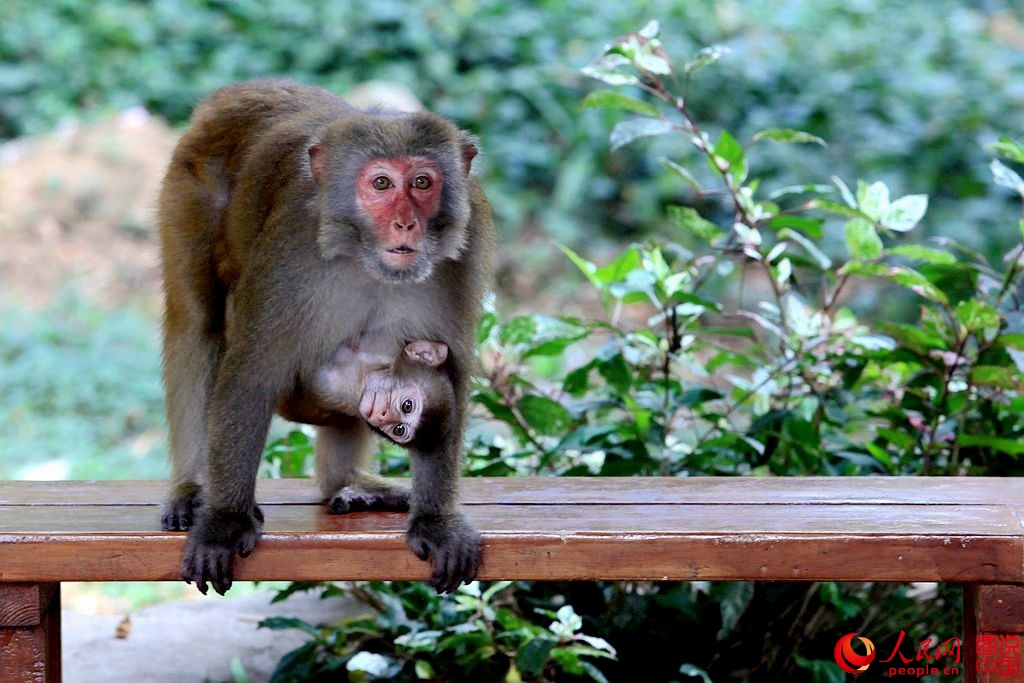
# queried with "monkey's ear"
point(317, 162)
point(469, 152)
point(429, 353)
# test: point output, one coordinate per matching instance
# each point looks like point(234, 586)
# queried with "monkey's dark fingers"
point(459, 568)
point(208, 564)
point(222, 575)
point(421, 549)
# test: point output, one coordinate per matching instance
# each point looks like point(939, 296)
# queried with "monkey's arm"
point(438, 531)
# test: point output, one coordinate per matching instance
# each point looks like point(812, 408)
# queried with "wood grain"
point(810, 528)
point(30, 633)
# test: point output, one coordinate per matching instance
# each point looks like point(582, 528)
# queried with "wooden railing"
point(967, 531)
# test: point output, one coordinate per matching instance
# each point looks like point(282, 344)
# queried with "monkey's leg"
point(343, 452)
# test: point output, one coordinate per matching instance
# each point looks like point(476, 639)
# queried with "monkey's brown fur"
point(241, 213)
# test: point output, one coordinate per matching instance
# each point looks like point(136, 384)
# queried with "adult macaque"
point(321, 222)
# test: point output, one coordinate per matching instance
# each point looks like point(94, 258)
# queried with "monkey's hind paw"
point(179, 513)
point(450, 544)
point(212, 544)
point(356, 499)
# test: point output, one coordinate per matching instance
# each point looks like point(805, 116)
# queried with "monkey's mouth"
point(400, 257)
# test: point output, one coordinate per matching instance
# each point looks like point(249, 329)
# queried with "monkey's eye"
point(422, 182)
point(400, 431)
point(407, 406)
point(382, 182)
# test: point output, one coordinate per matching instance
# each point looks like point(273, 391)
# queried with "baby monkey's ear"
point(429, 353)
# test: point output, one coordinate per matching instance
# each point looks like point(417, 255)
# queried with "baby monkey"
point(407, 398)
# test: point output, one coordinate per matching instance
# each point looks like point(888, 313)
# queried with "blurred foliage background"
point(905, 93)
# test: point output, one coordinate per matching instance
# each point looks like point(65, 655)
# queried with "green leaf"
point(810, 188)
point(1011, 446)
point(905, 213)
point(788, 135)
point(370, 662)
point(917, 252)
point(681, 171)
point(519, 330)
point(611, 99)
point(917, 282)
point(617, 373)
point(578, 381)
point(619, 269)
point(734, 601)
point(686, 218)
point(534, 655)
point(283, 623)
point(544, 415)
point(1014, 340)
point(695, 672)
point(810, 227)
point(995, 376)
point(238, 672)
point(729, 157)
point(626, 132)
point(424, 671)
point(1007, 177)
point(609, 69)
point(650, 30)
point(586, 267)
point(553, 347)
point(1010, 149)
point(708, 55)
point(837, 208)
point(844, 192)
point(824, 262)
point(860, 269)
point(976, 315)
point(568, 621)
point(862, 240)
point(652, 62)
point(873, 199)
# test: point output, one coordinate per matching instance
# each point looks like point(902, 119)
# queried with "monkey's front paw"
point(452, 546)
point(212, 544)
point(355, 498)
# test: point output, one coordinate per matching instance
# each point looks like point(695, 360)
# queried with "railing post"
point(993, 633)
point(30, 632)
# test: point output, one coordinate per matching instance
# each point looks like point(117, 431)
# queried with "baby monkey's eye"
point(400, 430)
point(407, 406)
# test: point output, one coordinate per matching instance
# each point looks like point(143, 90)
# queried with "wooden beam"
point(30, 633)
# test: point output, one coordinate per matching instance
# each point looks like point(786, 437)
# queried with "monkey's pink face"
point(392, 406)
point(400, 196)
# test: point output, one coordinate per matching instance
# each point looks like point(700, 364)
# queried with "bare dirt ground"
point(77, 210)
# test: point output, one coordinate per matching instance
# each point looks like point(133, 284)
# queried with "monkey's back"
point(238, 145)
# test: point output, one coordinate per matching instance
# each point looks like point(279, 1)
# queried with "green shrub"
point(745, 347)
point(905, 92)
point(80, 393)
